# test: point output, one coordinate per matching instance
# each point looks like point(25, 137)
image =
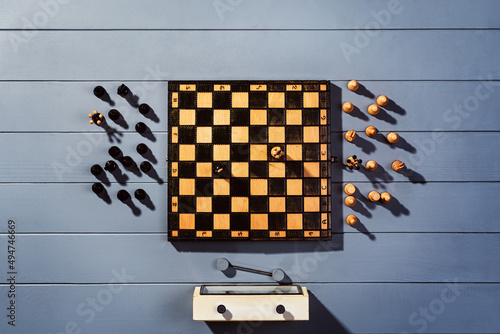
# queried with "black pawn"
point(142, 148)
point(140, 194)
point(115, 152)
point(144, 108)
point(110, 166)
point(99, 91)
point(96, 170)
point(97, 188)
point(127, 161)
point(123, 90)
point(280, 309)
point(140, 127)
point(146, 166)
point(114, 114)
point(123, 195)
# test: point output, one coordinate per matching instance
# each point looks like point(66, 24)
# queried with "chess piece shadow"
point(120, 120)
point(135, 210)
point(403, 144)
point(362, 228)
point(112, 133)
point(148, 134)
point(396, 208)
point(132, 99)
point(384, 116)
point(104, 196)
point(287, 280)
point(148, 202)
point(364, 145)
point(152, 173)
point(152, 115)
point(413, 176)
point(119, 176)
point(379, 175)
point(359, 114)
point(103, 178)
point(103, 95)
point(369, 204)
point(150, 156)
point(230, 272)
point(360, 208)
point(393, 106)
point(362, 90)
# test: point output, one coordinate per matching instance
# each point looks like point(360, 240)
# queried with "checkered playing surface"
point(232, 127)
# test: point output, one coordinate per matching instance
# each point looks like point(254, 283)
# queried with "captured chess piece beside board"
point(354, 163)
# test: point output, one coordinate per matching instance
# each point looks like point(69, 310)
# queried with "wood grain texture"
point(162, 308)
point(257, 15)
point(212, 55)
point(376, 257)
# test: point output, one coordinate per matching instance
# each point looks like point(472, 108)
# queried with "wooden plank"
point(156, 14)
point(64, 106)
point(376, 257)
point(429, 156)
point(212, 55)
point(421, 106)
point(73, 208)
point(356, 308)
point(67, 157)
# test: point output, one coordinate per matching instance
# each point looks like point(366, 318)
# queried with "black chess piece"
point(140, 194)
point(110, 166)
point(280, 309)
point(123, 90)
point(99, 91)
point(142, 148)
point(97, 188)
point(144, 108)
point(127, 161)
point(96, 170)
point(146, 166)
point(123, 195)
point(114, 114)
point(141, 127)
point(115, 152)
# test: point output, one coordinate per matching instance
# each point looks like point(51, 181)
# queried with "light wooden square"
point(221, 221)
point(239, 204)
point(221, 152)
point(240, 100)
point(221, 187)
point(204, 100)
point(203, 204)
point(258, 187)
point(294, 187)
point(258, 117)
point(239, 169)
point(276, 134)
point(277, 204)
point(311, 100)
point(294, 221)
point(187, 88)
point(203, 169)
point(276, 169)
point(186, 187)
point(311, 169)
point(258, 221)
point(311, 204)
point(175, 134)
point(323, 117)
point(311, 134)
point(175, 203)
point(294, 117)
point(175, 169)
point(294, 152)
point(175, 233)
point(258, 152)
point(186, 152)
point(222, 88)
point(204, 134)
point(222, 116)
point(187, 117)
point(322, 87)
point(276, 100)
point(239, 134)
point(186, 221)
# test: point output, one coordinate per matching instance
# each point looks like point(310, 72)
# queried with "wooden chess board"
point(223, 181)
